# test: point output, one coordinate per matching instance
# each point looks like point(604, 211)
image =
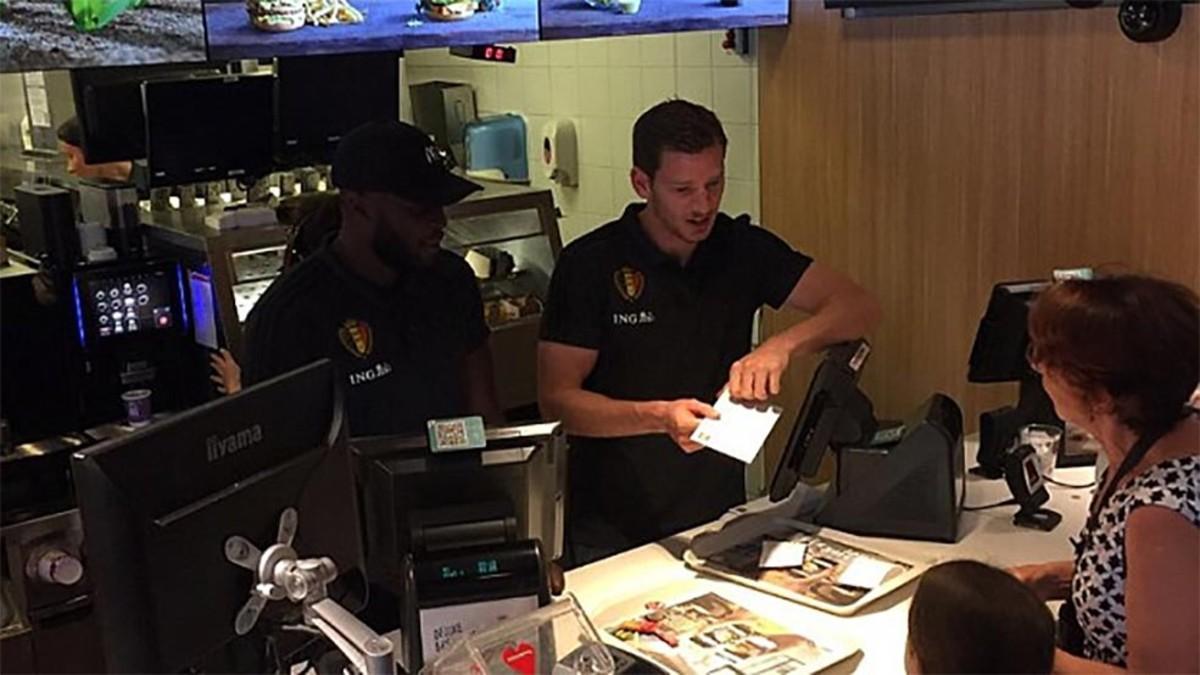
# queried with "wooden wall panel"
point(931, 157)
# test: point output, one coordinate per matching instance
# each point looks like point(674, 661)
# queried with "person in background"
point(649, 316)
point(70, 144)
point(401, 317)
point(1119, 358)
point(313, 219)
point(968, 617)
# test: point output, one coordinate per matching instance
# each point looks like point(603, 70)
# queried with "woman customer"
point(1120, 357)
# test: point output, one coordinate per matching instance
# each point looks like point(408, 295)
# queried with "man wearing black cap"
point(401, 317)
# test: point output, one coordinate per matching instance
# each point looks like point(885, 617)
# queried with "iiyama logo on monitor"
point(219, 448)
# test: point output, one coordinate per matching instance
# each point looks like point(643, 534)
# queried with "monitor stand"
point(797, 512)
point(281, 575)
point(910, 488)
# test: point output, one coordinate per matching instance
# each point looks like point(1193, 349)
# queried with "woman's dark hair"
point(1134, 338)
point(968, 617)
point(313, 219)
point(676, 125)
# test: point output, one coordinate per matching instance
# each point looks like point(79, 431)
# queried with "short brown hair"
point(1135, 338)
point(968, 617)
point(677, 125)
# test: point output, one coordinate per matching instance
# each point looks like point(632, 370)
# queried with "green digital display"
point(475, 569)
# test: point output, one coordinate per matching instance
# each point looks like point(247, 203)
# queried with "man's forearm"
point(586, 413)
point(839, 321)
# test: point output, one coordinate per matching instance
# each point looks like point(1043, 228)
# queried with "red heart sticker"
point(521, 659)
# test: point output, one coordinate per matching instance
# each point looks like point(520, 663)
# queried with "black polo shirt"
point(399, 351)
point(663, 332)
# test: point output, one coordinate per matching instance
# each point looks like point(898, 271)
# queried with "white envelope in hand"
point(741, 430)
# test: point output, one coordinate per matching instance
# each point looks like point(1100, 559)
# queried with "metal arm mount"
point(280, 574)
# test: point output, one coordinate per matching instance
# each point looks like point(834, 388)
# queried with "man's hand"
point(757, 375)
point(680, 418)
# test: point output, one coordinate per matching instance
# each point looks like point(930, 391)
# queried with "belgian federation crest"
point(630, 283)
point(356, 337)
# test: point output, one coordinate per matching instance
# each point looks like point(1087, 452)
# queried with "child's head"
point(968, 617)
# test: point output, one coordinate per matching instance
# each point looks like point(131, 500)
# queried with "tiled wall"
point(603, 84)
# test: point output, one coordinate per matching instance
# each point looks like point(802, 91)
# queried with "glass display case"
point(509, 236)
point(231, 269)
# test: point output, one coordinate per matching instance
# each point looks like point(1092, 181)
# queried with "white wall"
point(603, 84)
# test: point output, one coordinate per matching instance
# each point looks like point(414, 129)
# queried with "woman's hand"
point(227, 374)
point(1049, 581)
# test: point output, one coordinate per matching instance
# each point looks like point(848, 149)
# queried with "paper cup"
point(137, 407)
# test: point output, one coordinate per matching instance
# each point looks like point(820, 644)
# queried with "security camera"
point(1149, 20)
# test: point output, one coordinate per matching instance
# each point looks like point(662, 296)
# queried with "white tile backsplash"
point(595, 142)
point(658, 50)
point(533, 54)
point(564, 53)
point(536, 87)
point(731, 95)
point(693, 49)
point(624, 51)
point(603, 84)
point(658, 85)
point(596, 189)
point(510, 89)
point(695, 84)
point(564, 87)
point(594, 90)
point(593, 52)
point(625, 91)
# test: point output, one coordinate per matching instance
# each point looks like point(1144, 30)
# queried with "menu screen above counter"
point(255, 29)
point(52, 34)
point(568, 19)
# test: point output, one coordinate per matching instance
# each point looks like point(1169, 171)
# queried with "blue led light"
point(78, 312)
point(183, 304)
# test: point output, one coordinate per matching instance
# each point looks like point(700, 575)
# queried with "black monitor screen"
point(108, 104)
point(998, 354)
point(320, 98)
point(209, 128)
point(159, 505)
point(835, 412)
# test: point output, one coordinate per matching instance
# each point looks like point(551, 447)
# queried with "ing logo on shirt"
point(630, 283)
point(356, 337)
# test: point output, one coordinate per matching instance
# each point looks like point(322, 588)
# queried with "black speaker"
point(47, 217)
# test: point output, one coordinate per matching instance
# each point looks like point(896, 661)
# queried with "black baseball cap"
point(400, 159)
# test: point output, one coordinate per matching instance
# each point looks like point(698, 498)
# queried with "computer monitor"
point(835, 413)
point(321, 98)
point(108, 105)
point(998, 354)
point(159, 505)
point(210, 128)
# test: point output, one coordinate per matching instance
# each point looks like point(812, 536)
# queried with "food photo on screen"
point(53, 34)
point(570, 19)
point(255, 29)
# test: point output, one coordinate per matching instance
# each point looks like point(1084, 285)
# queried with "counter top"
point(880, 629)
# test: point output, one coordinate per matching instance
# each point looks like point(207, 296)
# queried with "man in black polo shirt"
point(401, 318)
point(650, 316)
